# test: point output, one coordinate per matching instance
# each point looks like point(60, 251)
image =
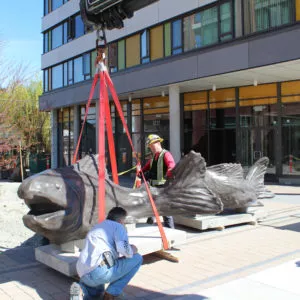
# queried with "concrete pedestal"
point(219, 222)
point(145, 237)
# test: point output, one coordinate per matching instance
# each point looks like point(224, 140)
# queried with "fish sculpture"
point(63, 202)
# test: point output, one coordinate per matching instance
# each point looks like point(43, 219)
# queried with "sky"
point(20, 30)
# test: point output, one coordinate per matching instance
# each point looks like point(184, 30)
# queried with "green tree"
point(20, 113)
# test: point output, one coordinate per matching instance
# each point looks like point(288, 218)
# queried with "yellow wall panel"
point(133, 52)
point(163, 110)
point(258, 102)
point(195, 107)
point(298, 10)
point(222, 104)
point(290, 88)
point(193, 98)
point(264, 90)
point(222, 95)
point(290, 99)
point(154, 102)
point(156, 42)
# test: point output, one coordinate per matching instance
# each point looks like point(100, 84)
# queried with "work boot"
point(150, 220)
point(76, 292)
point(108, 296)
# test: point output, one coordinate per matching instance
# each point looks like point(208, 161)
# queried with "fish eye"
point(57, 186)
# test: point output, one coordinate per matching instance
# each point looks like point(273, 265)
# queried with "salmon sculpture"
point(63, 202)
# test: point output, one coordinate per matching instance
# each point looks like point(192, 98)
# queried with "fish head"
point(55, 199)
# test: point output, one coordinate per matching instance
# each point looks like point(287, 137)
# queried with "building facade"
point(220, 77)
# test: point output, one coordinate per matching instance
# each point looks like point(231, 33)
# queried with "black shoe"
point(150, 220)
point(76, 292)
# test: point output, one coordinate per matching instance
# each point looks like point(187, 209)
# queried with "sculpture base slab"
point(219, 222)
point(146, 238)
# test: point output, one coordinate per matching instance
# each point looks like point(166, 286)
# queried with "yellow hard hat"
point(153, 138)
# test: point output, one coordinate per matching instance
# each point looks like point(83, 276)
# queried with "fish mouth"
point(44, 214)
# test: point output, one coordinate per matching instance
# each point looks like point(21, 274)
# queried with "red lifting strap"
point(104, 115)
point(119, 109)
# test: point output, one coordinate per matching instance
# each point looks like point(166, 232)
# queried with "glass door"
point(257, 140)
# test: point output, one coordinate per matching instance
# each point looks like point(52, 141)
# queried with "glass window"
point(57, 77)
point(88, 140)
point(65, 32)
point(177, 37)
point(94, 55)
point(145, 47)
point(46, 42)
point(65, 136)
point(46, 7)
point(291, 139)
point(209, 26)
point(66, 74)
point(113, 57)
point(225, 21)
point(79, 27)
point(56, 4)
point(192, 32)
point(78, 69)
point(264, 14)
point(46, 79)
point(70, 72)
point(195, 123)
point(87, 66)
point(57, 36)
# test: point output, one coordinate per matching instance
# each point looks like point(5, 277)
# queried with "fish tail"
point(256, 176)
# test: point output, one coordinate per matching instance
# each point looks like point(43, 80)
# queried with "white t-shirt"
point(105, 236)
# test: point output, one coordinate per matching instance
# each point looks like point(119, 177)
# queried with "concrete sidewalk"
point(240, 262)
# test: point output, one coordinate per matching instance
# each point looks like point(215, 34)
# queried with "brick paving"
point(206, 260)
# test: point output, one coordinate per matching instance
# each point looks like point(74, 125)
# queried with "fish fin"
point(232, 171)
point(189, 188)
point(89, 165)
point(256, 176)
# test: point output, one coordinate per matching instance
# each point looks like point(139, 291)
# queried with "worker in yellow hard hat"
point(160, 169)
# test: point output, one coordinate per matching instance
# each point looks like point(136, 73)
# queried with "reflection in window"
point(225, 21)
point(46, 7)
point(87, 66)
point(291, 138)
point(65, 136)
point(65, 32)
point(56, 4)
point(145, 47)
point(57, 77)
point(46, 42)
point(177, 37)
point(57, 36)
point(78, 70)
point(46, 80)
point(113, 57)
point(65, 74)
point(209, 26)
point(79, 27)
point(88, 141)
point(70, 72)
point(264, 14)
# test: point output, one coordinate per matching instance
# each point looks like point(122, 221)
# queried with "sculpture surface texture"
point(64, 205)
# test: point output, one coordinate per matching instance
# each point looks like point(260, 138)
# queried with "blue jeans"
point(118, 276)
